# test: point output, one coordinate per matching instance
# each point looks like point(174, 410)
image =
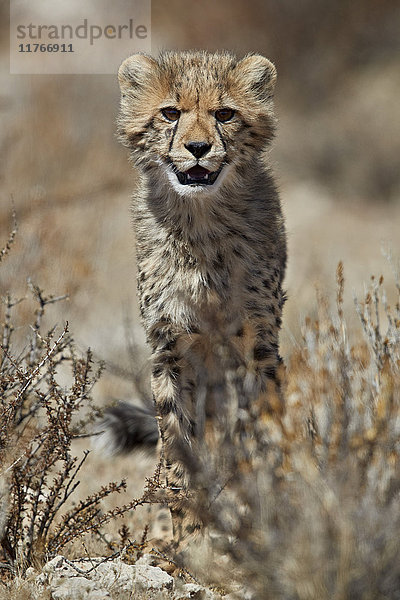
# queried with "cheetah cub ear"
point(258, 74)
point(135, 71)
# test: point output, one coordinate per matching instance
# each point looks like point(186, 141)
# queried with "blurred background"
point(336, 158)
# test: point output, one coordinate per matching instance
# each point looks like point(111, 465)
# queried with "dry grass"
point(43, 407)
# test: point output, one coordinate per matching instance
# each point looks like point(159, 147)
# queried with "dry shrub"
point(45, 402)
point(302, 493)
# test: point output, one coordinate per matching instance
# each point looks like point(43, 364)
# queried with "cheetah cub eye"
point(171, 113)
point(224, 114)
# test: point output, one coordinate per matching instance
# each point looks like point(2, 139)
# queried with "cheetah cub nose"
point(198, 149)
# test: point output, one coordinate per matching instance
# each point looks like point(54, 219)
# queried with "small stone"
point(152, 579)
point(78, 588)
point(116, 576)
point(31, 572)
point(54, 565)
point(193, 591)
point(41, 579)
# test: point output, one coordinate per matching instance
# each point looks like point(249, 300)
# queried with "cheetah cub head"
point(196, 120)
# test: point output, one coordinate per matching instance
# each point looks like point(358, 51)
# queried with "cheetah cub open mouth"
point(198, 176)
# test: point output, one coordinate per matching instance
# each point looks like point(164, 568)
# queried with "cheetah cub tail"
point(126, 427)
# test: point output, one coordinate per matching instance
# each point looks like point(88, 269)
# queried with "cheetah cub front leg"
point(210, 235)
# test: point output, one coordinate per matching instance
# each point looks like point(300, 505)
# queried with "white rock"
point(55, 564)
point(110, 579)
point(116, 576)
point(30, 573)
point(66, 582)
point(193, 591)
point(152, 579)
point(78, 588)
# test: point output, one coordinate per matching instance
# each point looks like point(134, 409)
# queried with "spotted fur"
point(205, 253)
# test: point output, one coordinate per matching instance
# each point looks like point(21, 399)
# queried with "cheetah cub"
point(210, 237)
